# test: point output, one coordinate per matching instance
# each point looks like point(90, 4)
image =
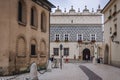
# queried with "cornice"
point(75, 25)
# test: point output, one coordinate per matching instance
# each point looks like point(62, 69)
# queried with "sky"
point(78, 4)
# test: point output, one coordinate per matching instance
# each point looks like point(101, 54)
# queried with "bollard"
point(49, 68)
point(33, 72)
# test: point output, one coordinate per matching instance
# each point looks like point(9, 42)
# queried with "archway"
point(86, 54)
point(106, 54)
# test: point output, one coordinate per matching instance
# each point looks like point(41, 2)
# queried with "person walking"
point(52, 61)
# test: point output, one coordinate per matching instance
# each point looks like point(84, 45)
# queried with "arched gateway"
point(106, 54)
point(86, 54)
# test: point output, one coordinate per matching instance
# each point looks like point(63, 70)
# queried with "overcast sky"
point(78, 4)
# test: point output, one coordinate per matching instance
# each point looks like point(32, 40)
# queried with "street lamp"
point(61, 47)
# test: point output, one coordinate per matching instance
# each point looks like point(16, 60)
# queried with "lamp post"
point(61, 47)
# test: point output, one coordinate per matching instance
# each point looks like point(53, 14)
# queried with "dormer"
point(86, 10)
point(58, 10)
point(72, 10)
point(99, 9)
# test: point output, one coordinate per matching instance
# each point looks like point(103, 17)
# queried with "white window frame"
point(78, 36)
point(55, 36)
point(92, 36)
point(68, 36)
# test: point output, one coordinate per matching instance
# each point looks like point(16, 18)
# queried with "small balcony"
point(114, 14)
point(80, 41)
point(57, 40)
point(93, 41)
point(115, 33)
point(66, 40)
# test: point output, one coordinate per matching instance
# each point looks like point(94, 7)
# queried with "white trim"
point(90, 37)
point(78, 36)
point(55, 36)
point(66, 34)
point(95, 36)
point(82, 36)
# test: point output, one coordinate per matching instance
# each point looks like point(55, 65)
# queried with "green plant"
point(110, 17)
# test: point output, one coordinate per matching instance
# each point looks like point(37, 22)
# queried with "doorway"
point(86, 54)
point(106, 55)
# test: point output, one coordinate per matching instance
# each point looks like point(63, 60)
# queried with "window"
point(66, 37)
point(80, 37)
point(110, 12)
point(43, 22)
point(43, 47)
point(115, 27)
point(21, 46)
point(57, 37)
point(33, 47)
point(56, 51)
point(115, 8)
point(110, 30)
point(21, 11)
point(33, 51)
point(93, 37)
point(66, 51)
point(33, 16)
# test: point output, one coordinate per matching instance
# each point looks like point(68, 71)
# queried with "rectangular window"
point(20, 11)
point(115, 8)
point(93, 37)
point(110, 12)
point(66, 51)
point(57, 37)
point(33, 51)
point(115, 33)
point(66, 37)
point(110, 30)
point(56, 51)
point(80, 37)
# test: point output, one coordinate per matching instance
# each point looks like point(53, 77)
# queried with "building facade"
point(112, 33)
point(24, 34)
point(80, 33)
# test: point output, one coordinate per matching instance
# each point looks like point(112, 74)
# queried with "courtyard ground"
point(77, 71)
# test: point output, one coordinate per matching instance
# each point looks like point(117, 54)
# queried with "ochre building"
point(24, 34)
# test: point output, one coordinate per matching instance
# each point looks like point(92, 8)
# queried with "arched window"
point(21, 11)
point(33, 47)
point(34, 17)
point(43, 48)
point(43, 22)
point(21, 47)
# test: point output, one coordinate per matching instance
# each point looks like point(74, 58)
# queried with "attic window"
point(71, 21)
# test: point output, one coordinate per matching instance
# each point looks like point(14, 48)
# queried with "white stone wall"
point(77, 19)
point(74, 49)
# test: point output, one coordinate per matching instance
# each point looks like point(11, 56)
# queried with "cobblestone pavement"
point(90, 74)
point(68, 72)
point(72, 71)
point(106, 72)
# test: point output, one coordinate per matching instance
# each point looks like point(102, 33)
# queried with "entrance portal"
point(86, 54)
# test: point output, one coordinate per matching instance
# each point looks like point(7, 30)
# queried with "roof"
point(48, 3)
point(107, 5)
point(44, 2)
